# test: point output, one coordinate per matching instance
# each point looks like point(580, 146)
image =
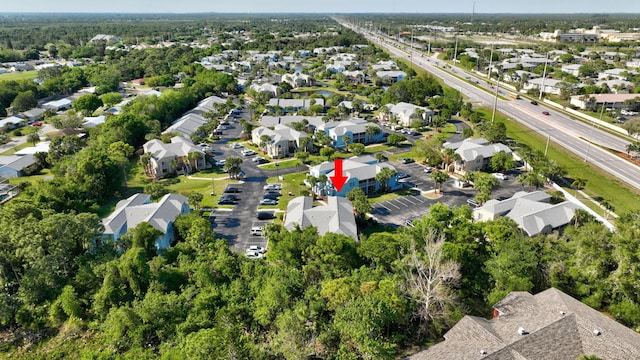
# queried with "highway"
point(562, 129)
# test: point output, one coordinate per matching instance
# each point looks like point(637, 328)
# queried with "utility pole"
point(490, 61)
point(411, 48)
point(544, 76)
point(455, 51)
point(429, 50)
point(546, 148)
point(495, 101)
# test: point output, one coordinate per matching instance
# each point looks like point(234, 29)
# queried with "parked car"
point(499, 176)
point(263, 215)
point(253, 255)
point(429, 169)
point(236, 146)
point(220, 163)
point(273, 192)
point(256, 230)
point(272, 187)
point(402, 175)
point(409, 223)
point(545, 113)
point(226, 200)
point(268, 202)
point(259, 160)
point(225, 123)
point(406, 160)
point(37, 123)
point(271, 196)
point(247, 152)
point(232, 190)
point(257, 248)
point(472, 202)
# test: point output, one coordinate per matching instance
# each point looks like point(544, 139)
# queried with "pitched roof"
point(179, 146)
point(336, 217)
point(137, 209)
point(535, 217)
point(470, 150)
point(269, 121)
point(187, 124)
point(296, 103)
point(17, 162)
point(557, 327)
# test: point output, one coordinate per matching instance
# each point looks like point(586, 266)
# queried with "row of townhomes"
point(361, 171)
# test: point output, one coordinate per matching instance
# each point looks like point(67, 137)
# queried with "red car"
point(37, 123)
point(545, 113)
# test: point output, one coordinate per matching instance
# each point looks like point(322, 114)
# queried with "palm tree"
point(33, 138)
point(322, 179)
point(608, 207)
point(578, 184)
point(384, 176)
point(439, 178)
point(449, 156)
point(372, 131)
point(145, 160)
point(313, 181)
point(264, 141)
point(193, 158)
point(347, 140)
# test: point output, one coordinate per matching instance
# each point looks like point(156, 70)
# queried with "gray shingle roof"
point(336, 217)
point(558, 327)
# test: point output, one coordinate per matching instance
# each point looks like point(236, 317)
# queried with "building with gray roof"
point(138, 208)
point(163, 156)
point(336, 217)
point(531, 211)
point(12, 166)
point(475, 154)
point(548, 325)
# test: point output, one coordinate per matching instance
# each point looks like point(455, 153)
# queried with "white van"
point(256, 230)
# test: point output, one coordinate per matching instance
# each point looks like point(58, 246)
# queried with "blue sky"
point(325, 6)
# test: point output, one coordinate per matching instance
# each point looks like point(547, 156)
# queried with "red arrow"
point(338, 179)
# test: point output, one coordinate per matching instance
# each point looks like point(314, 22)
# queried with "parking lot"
point(395, 212)
point(234, 225)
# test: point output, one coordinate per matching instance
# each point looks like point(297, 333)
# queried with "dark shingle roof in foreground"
point(548, 325)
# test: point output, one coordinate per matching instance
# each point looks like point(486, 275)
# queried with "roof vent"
point(562, 312)
point(596, 332)
point(522, 331)
point(483, 352)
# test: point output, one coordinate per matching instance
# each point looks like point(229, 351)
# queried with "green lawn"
point(281, 164)
point(389, 196)
point(14, 149)
point(599, 184)
point(23, 75)
point(292, 183)
point(378, 148)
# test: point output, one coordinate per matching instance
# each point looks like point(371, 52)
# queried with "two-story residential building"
point(283, 140)
point(138, 208)
point(296, 80)
point(612, 101)
point(355, 129)
point(475, 154)
point(393, 75)
point(336, 217)
point(361, 172)
point(294, 105)
point(406, 113)
point(180, 156)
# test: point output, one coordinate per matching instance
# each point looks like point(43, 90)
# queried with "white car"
point(256, 230)
point(429, 169)
point(272, 187)
point(499, 176)
point(236, 146)
point(253, 255)
point(258, 249)
point(220, 163)
point(247, 152)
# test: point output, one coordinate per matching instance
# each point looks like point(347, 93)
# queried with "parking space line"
point(382, 206)
point(404, 201)
point(419, 199)
point(408, 198)
point(390, 204)
point(398, 200)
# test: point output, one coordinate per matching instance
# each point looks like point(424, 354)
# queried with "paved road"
point(45, 129)
point(562, 129)
point(235, 225)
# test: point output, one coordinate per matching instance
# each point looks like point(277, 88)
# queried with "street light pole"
point(495, 100)
point(490, 61)
point(544, 76)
